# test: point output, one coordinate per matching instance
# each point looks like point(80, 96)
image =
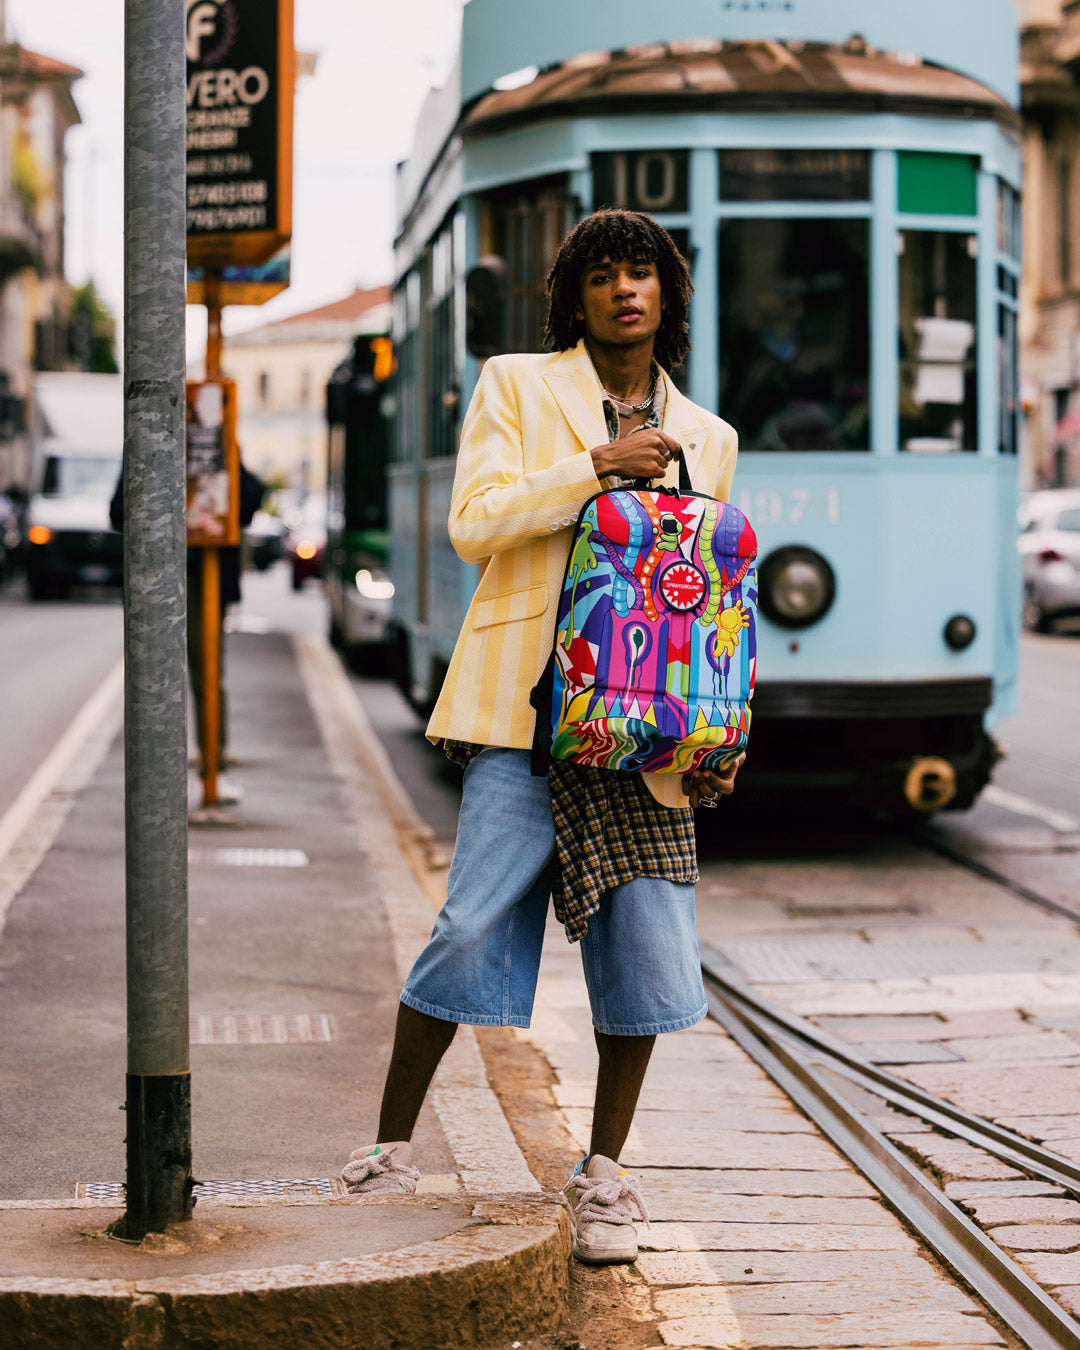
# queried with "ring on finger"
point(709, 802)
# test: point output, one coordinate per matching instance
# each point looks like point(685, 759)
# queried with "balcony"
point(20, 239)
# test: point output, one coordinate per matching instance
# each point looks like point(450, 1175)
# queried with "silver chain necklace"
point(625, 409)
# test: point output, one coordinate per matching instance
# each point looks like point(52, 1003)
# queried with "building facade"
point(37, 110)
point(1050, 289)
point(281, 370)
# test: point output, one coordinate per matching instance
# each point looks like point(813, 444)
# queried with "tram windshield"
point(938, 388)
point(794, 333)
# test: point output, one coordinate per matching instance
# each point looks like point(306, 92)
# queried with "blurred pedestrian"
point(543, 433)
point(252, 491)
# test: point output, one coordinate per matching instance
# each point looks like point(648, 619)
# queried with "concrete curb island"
point(504, 1271)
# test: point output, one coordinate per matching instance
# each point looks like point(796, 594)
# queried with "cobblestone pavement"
point(762, 1235)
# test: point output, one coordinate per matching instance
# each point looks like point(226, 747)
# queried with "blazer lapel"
point(575, 388)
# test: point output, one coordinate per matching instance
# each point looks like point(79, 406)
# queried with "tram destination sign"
point(240, 78)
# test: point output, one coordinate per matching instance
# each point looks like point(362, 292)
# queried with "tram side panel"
point(888, 697)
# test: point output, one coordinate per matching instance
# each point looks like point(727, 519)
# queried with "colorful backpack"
point(653, 664)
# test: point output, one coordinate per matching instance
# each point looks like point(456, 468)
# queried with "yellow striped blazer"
point(523, 474)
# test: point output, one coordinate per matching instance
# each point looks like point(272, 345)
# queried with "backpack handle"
point(685, 485)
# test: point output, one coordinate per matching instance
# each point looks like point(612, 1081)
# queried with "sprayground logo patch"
point(683, 587)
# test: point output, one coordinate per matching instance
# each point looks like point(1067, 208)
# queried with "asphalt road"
point(55, 654)
point(1042, 743)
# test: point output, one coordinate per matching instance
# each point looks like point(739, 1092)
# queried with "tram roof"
point(975, 41)
point(979, 38)
point(687, 76)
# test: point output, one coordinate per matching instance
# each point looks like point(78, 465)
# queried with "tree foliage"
point(93, 331)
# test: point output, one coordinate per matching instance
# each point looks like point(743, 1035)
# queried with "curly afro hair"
point(619, 236)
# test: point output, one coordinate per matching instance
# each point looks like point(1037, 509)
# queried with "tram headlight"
point(796, 586)
point(960, 632)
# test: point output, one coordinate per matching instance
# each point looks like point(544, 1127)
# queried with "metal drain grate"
point(251, 1029)
point(249, 857)
point(319, 1188)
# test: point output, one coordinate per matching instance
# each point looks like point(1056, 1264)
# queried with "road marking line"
point(1024, 806)
point(32, 821)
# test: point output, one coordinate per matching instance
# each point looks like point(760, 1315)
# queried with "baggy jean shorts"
point(640, 955)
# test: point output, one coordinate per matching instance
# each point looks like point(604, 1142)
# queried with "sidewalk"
point(305, 915)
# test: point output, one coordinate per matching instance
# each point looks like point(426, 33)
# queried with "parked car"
point(305, 544)
point(77, 453)
point(264, 540)
point(1050, 553)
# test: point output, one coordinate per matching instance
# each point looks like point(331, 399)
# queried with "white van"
point(78, 441)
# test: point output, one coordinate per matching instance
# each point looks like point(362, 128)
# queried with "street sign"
point(240, 78)
point(213, 464)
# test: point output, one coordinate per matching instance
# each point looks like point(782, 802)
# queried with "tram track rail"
point(933, 843)
point(806, 1063)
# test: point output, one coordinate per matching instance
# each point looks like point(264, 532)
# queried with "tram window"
point(937, 341)
point(1008, 220)
point(794, 340)
point(762, 175)
point(1008, 375)
point(443, 408)
point(442, 390)
point(527, 226)
point(406, 428)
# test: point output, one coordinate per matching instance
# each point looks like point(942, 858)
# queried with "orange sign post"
point(241, 75)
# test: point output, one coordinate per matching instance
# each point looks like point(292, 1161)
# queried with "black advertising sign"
point(240, 76)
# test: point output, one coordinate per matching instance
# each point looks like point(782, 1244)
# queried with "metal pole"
point(155, 739)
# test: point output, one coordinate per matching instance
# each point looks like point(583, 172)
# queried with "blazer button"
point(554, 524)
point(567, 521)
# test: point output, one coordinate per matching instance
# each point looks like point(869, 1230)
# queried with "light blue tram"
point(844, 178)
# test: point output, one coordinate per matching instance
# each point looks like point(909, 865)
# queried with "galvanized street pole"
point(155, 736)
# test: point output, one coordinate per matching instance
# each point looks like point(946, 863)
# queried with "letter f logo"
point(201, 23)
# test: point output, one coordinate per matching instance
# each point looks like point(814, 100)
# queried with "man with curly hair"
point(615, 851)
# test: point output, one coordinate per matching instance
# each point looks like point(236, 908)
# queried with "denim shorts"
point(480, 965)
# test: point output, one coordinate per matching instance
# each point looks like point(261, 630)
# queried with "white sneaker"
point(602, 1225)
point(385, 1168)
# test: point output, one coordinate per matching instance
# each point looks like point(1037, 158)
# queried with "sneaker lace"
point(380, 1164)
point(604, 1200)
